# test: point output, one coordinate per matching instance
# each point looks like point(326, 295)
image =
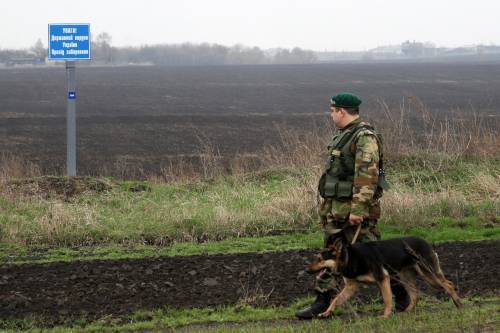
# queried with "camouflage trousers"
point(325, 280)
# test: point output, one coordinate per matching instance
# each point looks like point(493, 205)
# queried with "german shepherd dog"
point(378, 261)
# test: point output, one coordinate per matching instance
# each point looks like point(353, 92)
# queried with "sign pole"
point(71, 119)
point(70, 42)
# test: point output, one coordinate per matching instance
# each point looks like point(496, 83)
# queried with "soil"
point(94, 289)
point(134, 121)
point(58, 187)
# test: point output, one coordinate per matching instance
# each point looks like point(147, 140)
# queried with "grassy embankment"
point(445, 187)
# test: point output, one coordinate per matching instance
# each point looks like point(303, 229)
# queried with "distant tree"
point(39, 50)
point(295, 56)
point(102, 49)
point(239, 54)
point(186, 54)
point(126, 55)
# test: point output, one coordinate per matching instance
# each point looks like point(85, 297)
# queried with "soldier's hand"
point(355, 219)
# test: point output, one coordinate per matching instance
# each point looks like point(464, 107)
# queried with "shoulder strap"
point(349, 134)
point(371, 130)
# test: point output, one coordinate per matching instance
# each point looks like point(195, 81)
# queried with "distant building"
point(461, 51)
point(25, 61)
point(491, 49)
point(418, 49)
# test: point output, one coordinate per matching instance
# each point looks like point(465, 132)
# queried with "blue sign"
point(72, 95)
point(69, 41)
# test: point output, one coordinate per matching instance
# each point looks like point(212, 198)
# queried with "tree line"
point(185, 54)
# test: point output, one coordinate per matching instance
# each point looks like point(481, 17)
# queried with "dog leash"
point(356, 234)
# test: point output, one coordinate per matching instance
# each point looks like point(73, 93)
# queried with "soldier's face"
point(337, 116)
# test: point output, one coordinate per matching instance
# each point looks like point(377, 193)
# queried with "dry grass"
point(411, 129)
point(410, 210)
point(486, 186)
point(12, 167)
point(439, 182)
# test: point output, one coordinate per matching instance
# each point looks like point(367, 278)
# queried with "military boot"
point(319, 305)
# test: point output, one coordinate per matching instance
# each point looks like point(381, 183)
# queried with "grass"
point(431, 316)
point(227, 213)
point(445, 176)
point(199, 211)
point(446, 230)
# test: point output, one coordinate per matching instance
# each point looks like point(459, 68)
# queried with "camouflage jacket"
point(365, 192)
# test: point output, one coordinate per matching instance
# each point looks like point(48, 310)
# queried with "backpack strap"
point(348, 134)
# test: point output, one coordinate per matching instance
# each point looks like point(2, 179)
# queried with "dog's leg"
point(435, 277)
point(408, 280)
point(448, 286)
point(347, 292)
point(385, 290)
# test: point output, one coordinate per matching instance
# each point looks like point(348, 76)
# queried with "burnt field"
point(145, 117)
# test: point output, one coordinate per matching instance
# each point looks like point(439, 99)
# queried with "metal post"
point(71, 119)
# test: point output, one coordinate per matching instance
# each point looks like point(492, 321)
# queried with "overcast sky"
point(312, 24)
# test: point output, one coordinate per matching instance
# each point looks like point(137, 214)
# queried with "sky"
point(320, 25)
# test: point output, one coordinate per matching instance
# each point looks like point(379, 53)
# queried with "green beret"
point(345, 100)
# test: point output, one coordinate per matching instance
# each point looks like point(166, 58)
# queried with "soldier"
point(350, 187)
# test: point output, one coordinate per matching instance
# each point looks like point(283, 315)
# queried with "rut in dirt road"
point(118, 287)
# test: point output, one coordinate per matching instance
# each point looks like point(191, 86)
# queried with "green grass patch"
point(445, 230)
point(430, 316)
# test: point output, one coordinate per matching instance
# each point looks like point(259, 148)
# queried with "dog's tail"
point(428, 261)
point(412, 252)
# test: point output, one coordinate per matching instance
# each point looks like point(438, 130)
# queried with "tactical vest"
point(337, 180)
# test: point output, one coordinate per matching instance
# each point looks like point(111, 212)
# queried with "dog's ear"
point(339, 247)
point(335, 243)
point(342, 254)
point(333, 237)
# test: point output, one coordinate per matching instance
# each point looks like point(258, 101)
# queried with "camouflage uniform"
point(334, 213)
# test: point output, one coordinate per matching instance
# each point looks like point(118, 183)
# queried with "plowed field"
point(99, 288)
point(133, 121)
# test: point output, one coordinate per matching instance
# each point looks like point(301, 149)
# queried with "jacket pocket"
point(344, 189)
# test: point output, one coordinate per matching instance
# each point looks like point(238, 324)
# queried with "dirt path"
point(118, 287)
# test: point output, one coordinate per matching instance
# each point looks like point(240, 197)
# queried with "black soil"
point(95, 289)
point(134, 121)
